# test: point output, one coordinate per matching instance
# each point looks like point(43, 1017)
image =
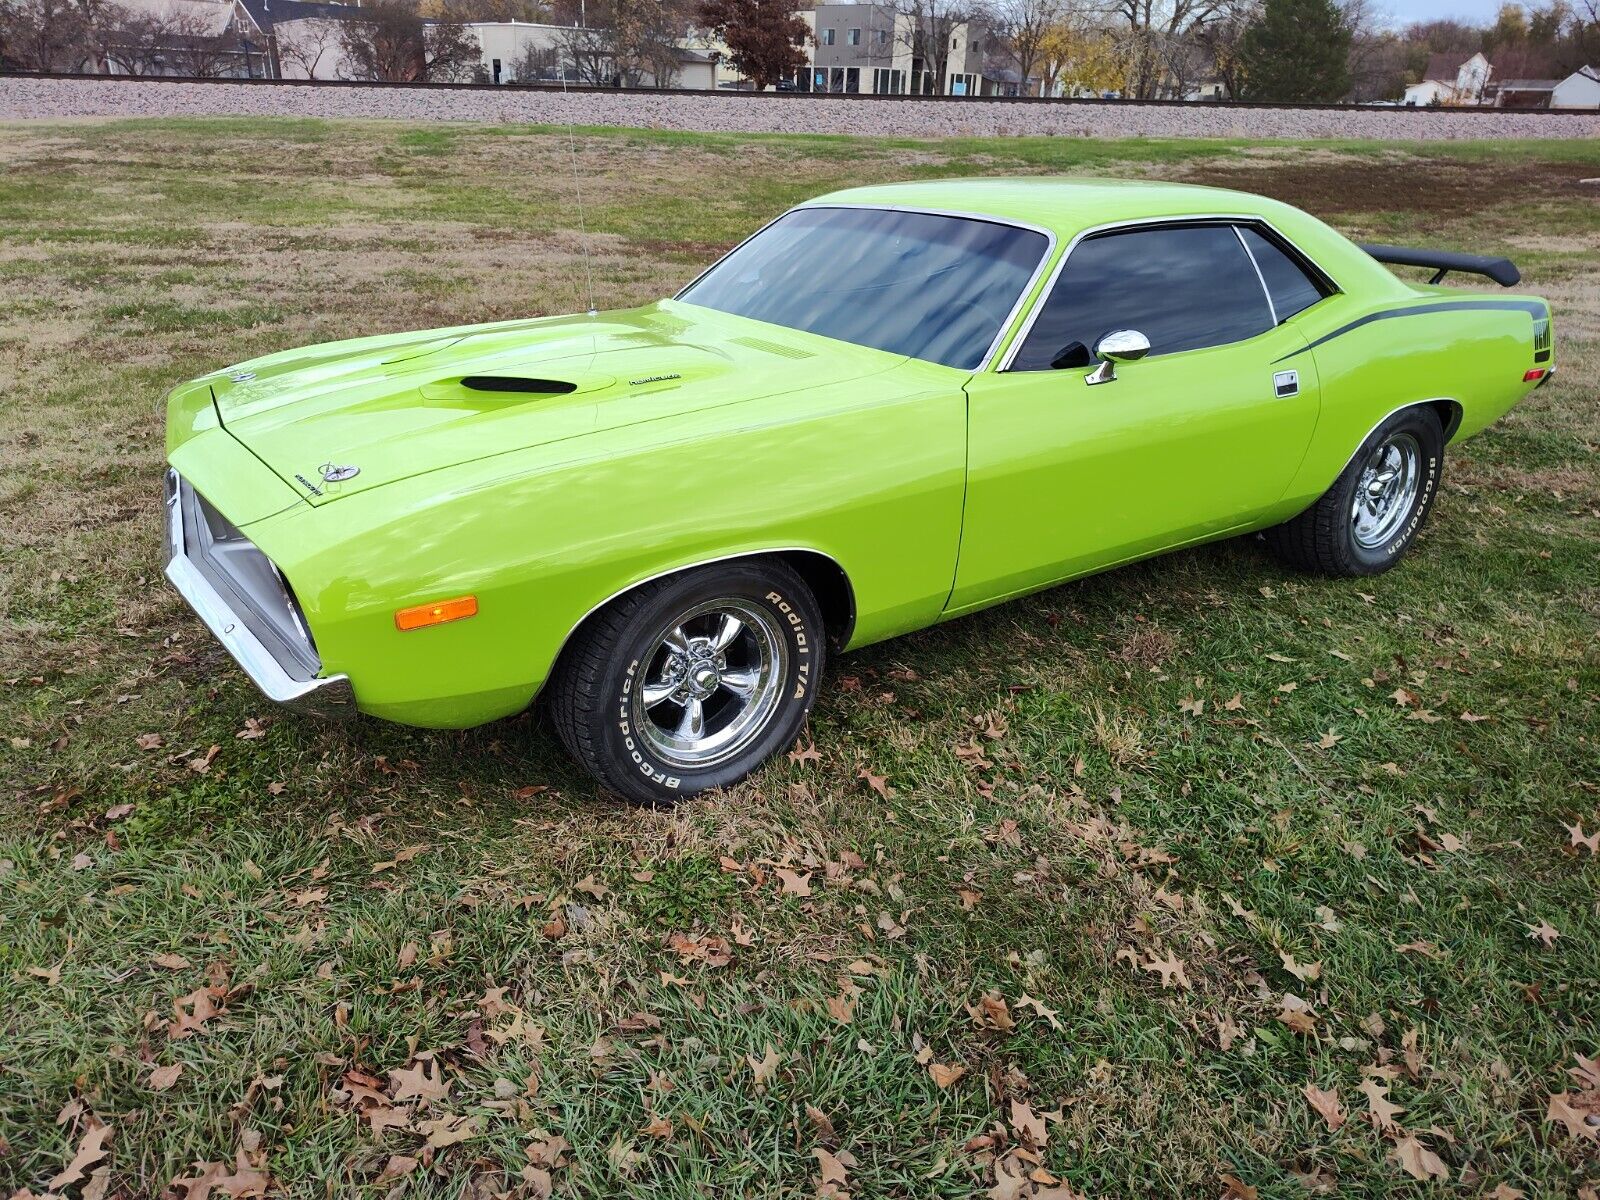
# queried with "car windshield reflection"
point(926, 285)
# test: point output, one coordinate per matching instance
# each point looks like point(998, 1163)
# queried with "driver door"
point(1200, 437)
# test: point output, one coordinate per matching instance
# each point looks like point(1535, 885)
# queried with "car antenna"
point(577, 187)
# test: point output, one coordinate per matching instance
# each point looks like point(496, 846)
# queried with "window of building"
point(888, 82)
point(1292, 289)
point(964, 85)
point(1183, 287)
point(881, 36)
point(828, 36)
point(852, 37)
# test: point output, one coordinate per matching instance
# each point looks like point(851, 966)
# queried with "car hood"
point(397, 406)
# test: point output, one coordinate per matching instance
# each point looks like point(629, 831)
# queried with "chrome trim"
point(329, 694)
point(1051, 241)
point(1260, 278)
point(1139, 222)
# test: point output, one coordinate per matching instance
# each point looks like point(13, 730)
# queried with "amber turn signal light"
point(422, 615)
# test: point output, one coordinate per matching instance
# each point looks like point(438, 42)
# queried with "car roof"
point(1065, 206)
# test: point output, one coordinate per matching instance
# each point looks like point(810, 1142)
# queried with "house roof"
point(1442, 68)
point(1528, 85)
point(266, 13)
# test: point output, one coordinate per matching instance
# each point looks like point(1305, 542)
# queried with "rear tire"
point(1375, 509)
point(692, 682)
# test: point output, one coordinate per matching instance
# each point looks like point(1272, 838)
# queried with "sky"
point(1403, 12)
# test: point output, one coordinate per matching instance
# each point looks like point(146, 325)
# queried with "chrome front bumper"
point(279, 678)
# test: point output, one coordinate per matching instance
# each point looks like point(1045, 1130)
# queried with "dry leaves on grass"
point(833, 1173)
point(703, 948)
point(1326, 1104)
point(240, 1179)
point(91, 1148)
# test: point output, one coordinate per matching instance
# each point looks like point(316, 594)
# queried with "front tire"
point(1375, 509)
point(692, 682)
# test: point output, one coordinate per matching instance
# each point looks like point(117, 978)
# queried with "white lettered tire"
point(691, 682)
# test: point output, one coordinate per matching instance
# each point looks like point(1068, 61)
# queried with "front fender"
point(542, 536)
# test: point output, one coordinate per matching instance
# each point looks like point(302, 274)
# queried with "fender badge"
point(653, 379)
point(335, 474)
point(241, 377)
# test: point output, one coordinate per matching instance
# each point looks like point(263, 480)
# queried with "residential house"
point(222, 33)
point(1450, 81)
point(1581, 89)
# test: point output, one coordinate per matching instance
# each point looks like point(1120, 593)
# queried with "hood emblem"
point(653, 379)
point(241, 377)
point(336, 474)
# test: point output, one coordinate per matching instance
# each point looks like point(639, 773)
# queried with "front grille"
point(249, 581)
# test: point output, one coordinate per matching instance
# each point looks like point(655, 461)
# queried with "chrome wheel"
point(1386, 490)
point(711, 684)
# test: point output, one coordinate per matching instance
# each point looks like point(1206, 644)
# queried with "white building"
point(1450, 82)
point(1581, 89)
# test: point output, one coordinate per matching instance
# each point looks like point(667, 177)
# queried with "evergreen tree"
point(1296, 51)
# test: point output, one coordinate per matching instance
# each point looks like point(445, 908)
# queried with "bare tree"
point(198, 49)
point(1159, 37)
point(391, 42)
point(44, 35)
point(1025, 26)
point(535, 63)
point(927, 28)
point(644, 40)
point(588, 55)
point(310, 46)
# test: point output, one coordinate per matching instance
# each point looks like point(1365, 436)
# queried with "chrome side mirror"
point(1120, 345)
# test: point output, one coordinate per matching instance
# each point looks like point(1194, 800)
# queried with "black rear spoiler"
point(1502, 270)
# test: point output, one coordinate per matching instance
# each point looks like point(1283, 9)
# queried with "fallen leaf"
point(1561, 1109)
point(764, 1067)
point(878, 783)
point(795, 883)
point(1418, 1161)
point(1049, 1014)
point(832, 1168)
point(1170, 969)
point(945, 1075)
point(1544, 932)
point(1587, 841)
point(1327, 1104)
point(1234, 1188)
point(418, 1082)
point(163, 1078)
point(1380, 1108)
point(804, 754)
point(1306, 972)
point(1028, 1126)
point(448, 1130)
point(91, 1149)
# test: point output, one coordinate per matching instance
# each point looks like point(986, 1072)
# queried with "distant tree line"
point(1265, 50)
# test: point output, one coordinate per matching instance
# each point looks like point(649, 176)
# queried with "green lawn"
point(1090, 888)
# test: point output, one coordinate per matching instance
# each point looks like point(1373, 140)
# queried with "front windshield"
point(928, 286)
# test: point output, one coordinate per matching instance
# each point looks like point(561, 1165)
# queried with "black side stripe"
point(1537, 309)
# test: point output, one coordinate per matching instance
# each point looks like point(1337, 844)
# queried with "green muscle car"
point(890, 406)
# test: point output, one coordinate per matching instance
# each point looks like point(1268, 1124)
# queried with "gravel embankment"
point(51, 99)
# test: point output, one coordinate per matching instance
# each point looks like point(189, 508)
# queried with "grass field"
point(1179, 881)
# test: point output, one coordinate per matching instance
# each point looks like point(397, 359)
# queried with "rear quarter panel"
point(1382, 356)
point(870, 473)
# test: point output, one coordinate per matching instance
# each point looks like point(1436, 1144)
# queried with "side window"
point(1292, 290)
point(1183, 287)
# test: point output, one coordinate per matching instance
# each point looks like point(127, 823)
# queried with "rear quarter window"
point(1292, 289)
